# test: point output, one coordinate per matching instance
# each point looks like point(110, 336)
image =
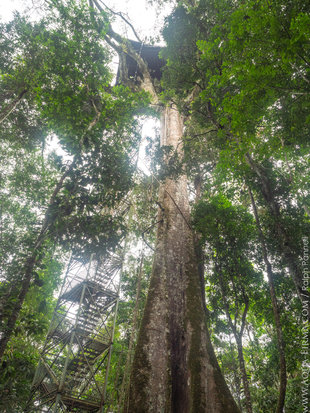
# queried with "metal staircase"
point(73, 369)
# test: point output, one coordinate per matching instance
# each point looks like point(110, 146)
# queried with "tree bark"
point(133, 336)
point(276, 312)
point(285, 242)
point(238, 338)
point(236, 376)
point(247, 394)
point(175, 368)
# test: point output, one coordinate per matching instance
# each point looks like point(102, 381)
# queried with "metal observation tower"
point(74, 365)
point(73, 370)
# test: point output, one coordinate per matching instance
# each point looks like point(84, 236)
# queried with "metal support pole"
point(101, 410)
point(58, 397)
point(49, 331)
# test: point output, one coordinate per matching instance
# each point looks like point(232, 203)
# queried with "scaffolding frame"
point(72, 374)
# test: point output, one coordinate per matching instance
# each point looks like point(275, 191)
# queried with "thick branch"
point(123, 18)
point(123, 46)
point(9, 109)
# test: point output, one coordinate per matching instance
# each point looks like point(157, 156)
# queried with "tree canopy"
point(239, 73)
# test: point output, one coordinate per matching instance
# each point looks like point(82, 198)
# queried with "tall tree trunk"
point(238, 337)
point(285, 244)
point(245, 381)
point(175, 368)
point(276, 312)
point(133, 336)
point(284, 238)
point(199, 250)
point(30, 264)
point(236, 376)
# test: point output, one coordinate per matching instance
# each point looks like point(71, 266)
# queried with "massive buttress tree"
point(174, 367)
point(246, 65)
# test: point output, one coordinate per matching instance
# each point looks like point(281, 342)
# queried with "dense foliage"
point(245, 66)
point(239, 71)
point(55, 80)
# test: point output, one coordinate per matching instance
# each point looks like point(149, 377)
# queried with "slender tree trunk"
point(285, 241)
point(292, 180)
point(29, 266)
point(11, 106)
point(235, 372)
point(276, 312)
point(175, 368)
point(238, 338)
point(247, 394)
point(267, 192)
point(133, 337)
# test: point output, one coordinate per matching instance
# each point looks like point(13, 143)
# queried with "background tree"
point(237, 71)
point(69, 205)
point(239, 74)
